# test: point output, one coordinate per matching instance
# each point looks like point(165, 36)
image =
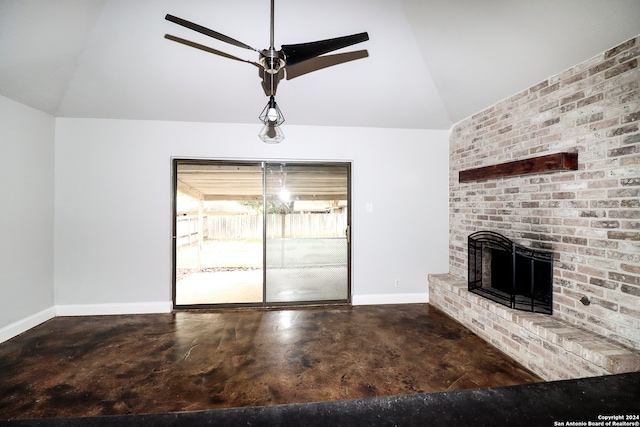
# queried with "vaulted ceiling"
point(427, 65)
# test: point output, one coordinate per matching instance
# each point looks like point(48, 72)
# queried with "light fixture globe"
point(271, 114)
point(271, 134)
point(272, 118)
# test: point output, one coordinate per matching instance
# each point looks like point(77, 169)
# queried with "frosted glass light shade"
point(271, 134)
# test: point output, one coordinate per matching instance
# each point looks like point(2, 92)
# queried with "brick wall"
point(590, 218)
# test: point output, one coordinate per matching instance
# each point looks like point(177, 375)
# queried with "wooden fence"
point(234, 227)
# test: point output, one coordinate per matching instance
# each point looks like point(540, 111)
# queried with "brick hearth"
point(548, 346)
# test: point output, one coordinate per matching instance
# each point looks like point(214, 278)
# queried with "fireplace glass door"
point(510, 274)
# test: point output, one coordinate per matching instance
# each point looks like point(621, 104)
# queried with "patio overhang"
point(212, 182)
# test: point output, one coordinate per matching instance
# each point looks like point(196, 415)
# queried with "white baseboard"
point(381, 299)
point(111, 309)
point(25, 324)
point(34, 320)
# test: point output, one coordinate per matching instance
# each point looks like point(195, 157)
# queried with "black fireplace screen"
point(509, 273)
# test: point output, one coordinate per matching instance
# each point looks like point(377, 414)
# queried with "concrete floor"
point(188, 361)
point(224, 287)
point(301, 284)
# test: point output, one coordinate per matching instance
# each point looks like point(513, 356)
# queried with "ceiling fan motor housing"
point(272, 60)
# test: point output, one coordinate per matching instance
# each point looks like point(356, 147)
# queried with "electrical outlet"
point(396, 283)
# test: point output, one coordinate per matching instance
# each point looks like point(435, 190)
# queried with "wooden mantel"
point(548, 163)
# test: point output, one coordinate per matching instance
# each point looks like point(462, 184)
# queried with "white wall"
point(113, 205)
point(26, 217)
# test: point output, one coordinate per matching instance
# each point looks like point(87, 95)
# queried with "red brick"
point(623, 68)
point(601, 67)
point(590, 100)
point(620, 48)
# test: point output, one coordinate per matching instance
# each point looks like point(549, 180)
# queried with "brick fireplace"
point(589, 217)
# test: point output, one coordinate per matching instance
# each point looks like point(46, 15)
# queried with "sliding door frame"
point(175, 161)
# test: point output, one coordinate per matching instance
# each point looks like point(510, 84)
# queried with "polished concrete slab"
point(192, 361)
point(598, 401)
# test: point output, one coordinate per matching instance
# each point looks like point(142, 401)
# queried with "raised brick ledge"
point(553, 333)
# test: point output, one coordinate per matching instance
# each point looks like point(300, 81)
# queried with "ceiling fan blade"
point(208, 49)
point(296, 53)
point(324, 61)
point(208, 32)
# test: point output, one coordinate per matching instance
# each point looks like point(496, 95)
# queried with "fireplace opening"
point(510, 274)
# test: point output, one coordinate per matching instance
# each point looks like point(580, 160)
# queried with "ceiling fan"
point(272, 62)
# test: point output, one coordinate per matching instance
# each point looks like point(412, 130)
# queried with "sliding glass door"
point(218, 233)
point(260, 233)
point(306, 237)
